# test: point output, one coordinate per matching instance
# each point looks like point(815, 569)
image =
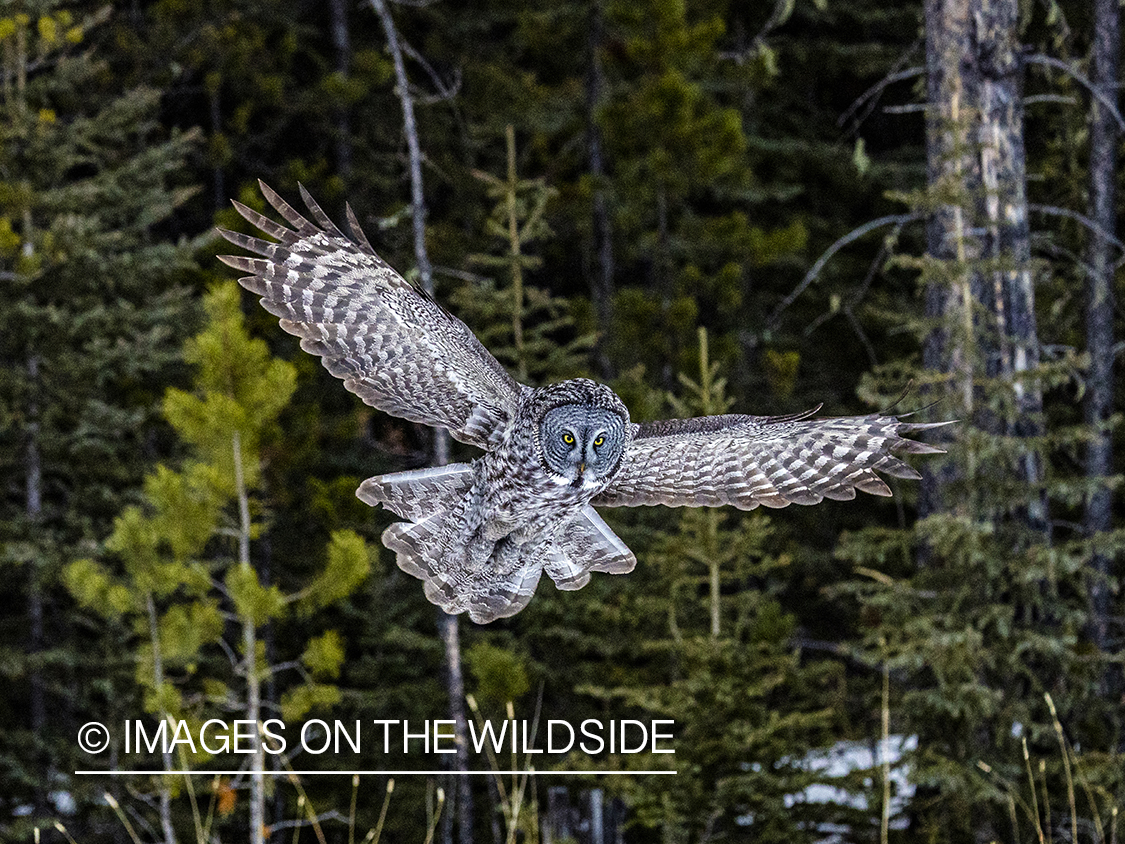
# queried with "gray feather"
point(749, 461)
point(399, 350)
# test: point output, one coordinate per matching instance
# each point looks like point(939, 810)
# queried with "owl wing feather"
point(769, 460)
point(392, 345)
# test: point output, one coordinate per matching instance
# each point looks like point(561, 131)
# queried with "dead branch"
point(782, 9)
point(1059, 64)
point(855, 234)
point(873, 94)
point(848, 308)
point(1056, 211)
point(445, 91)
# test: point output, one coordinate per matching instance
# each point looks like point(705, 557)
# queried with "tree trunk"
point(36, 695)
point(447, 624)
point(976, 163)
point(253, 711)
point(158, 681)
point(593, 820)
point(951, 88)
point(34, 500)
point(601, 274)
point(1100, 304)
point(273, 699)
point(1010, 302)
point(33, 497)
point(514, 247)
point(341, 44)
point(218, 178)
point(450, 634)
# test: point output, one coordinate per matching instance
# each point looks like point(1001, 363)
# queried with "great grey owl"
point(480, 534)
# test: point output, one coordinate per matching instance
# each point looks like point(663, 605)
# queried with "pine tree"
point(88, 326)
point(518, 322)
point(979, 608)
point(719, 659)
point(187, 579)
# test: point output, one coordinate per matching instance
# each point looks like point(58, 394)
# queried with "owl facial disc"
point(582, 444)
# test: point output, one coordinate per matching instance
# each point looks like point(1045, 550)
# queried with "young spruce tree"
point(980, 607)
point(186, 583)
point(718, 658)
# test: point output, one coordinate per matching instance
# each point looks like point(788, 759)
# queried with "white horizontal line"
point(366, 773)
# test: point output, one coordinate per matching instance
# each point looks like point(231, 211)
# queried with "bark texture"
point(981, 294)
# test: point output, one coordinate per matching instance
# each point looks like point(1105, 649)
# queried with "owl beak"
point(581, 468)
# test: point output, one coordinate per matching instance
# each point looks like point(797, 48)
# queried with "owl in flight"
point(480, 534)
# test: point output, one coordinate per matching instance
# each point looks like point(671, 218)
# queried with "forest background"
point(711, 205)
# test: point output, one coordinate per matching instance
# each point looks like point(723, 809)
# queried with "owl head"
point(582, 428)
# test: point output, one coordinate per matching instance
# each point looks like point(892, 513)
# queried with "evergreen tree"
point(188, 587)
point(720, 660)
point(518, 322)
point(88, 326)
point(980, 605)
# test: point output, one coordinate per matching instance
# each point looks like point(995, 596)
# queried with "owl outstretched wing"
point(769, 460)
point(392, 345)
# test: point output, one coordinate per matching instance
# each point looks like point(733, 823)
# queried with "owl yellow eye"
point(599, 441)
point(568, 439)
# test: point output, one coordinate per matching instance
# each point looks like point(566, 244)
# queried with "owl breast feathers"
point(480, 534)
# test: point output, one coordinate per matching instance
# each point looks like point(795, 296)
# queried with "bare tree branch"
point(1050, 98)
point(855, 234)
point(444, 91)
point(1059, 64)
point(463, 275)
point(782, 9)
point(1056, 211)
point(873, 93)
point(848, 308)
point(331, 815)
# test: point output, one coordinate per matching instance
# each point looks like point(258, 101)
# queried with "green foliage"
point(526, 327)
point(239, 390)
point(92, 586)
point(183, 559)
point(324, 655)
point(348, 565)
point(253, 602)
point(980, 605)
point(500, 673)
point(298, 702)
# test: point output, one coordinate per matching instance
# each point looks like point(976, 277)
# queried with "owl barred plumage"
point(480, 534)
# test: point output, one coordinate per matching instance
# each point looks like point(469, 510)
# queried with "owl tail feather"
point(488, 581)
point(419, 494)
point(426, 498)
point(502, 583)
